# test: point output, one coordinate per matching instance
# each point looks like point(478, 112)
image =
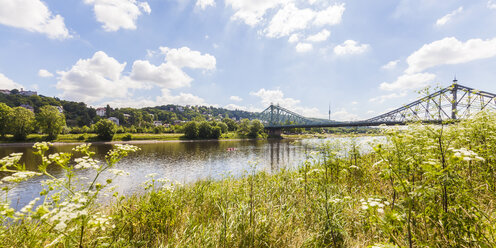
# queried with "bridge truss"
point(451, 103)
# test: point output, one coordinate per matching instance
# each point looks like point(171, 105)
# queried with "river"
point(182, 162)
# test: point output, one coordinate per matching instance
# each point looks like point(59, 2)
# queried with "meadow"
point(423, 186)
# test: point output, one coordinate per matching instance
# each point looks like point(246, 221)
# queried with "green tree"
point(244, 127)
point(204, 130)
point(215, 132)
point(107, 111)
point(105, 129)
point(50, 121)
point(5, 114)
point(21, 123)
point(223, 127)
point(231, 124)
point(256, 128)
point(191, 130)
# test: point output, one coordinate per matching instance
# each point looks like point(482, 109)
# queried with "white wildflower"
point(118, 172)
point(86, 163)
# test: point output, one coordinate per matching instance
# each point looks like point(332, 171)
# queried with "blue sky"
point(363, 57)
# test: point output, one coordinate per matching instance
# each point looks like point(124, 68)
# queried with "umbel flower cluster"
point(67, 204)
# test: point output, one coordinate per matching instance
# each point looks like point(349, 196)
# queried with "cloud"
point(302, 47)
point(447, 18)
point(103, 77)
point(450, 51)
point(236, 98)
point(185, 57)
point(7, 83)
point(117, 14)
point(381, 99)
point(343, 115)
point(294, 38)
point(44, 73)
point(390, 65)
point(290, 19)
point(268, 97)
point(350, 47)
point(92, 79)
point(181, 99)
point(165, 75)
point(203, 4)
point(244, 108)
point(491, 4)
point(409, 81)
point(252, 12)
point(320, 36)
point(34, 16)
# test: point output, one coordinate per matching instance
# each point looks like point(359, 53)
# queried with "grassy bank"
point(427, 186)
point(91, 137)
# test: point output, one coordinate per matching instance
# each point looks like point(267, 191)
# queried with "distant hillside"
point(79, 114)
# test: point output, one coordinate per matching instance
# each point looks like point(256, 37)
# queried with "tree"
point(21, 123)
point(215, 132)
point(244, 127)
point(105, 129)
point(204, 130)
point(5, 114)
point(256, 128)
point(223, 127)
point(231, 124)
point(50, 121)
point(107, 111)
point(191, 130)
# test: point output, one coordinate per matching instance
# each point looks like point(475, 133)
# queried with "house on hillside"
point(157, 123)
point(114, 120)
point(101, 112)
point(6, 92)
point(60, 109)
point(27, 92)
point(28, 107)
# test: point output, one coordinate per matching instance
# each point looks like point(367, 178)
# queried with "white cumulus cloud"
point(409, 81)
point(203, 4)
point(34, 16)
point(450, 51)
point(381, 99)
point(251, 12)
point(44, 73)
point(491, 4)
point(236, 98)
point(390, 65)
point(117, 14)
point(294, 38)
point(7, 83)
point(165, 75)
point(350, 47)
point(268, 97)
point(185, 57)
point(447, 18)
point(302, 47)
point(320, 36)
point(343, 115)
point(290, 19)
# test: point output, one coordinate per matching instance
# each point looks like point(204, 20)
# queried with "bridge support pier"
point(275, 133)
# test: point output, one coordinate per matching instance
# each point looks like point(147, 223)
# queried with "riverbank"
point(139, 138)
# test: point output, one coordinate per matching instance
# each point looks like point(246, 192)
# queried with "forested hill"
point(80, 114)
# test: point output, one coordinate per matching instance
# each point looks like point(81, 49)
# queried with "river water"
point(182, 162)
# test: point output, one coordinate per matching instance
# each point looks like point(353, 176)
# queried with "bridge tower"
point(454, 102)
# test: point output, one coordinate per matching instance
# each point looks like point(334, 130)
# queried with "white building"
point(101, 111)
point(114, 120)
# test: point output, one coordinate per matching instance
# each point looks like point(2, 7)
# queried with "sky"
point(362, 58)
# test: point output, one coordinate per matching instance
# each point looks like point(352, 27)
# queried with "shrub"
point(204, 130)
point(191, 130)
point(215, 132)
point(105, 129)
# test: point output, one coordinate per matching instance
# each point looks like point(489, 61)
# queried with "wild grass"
point(426, 186)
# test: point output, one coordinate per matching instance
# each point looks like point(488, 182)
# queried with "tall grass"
point(425, 186)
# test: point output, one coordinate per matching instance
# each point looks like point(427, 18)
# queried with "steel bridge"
point(452, 103)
